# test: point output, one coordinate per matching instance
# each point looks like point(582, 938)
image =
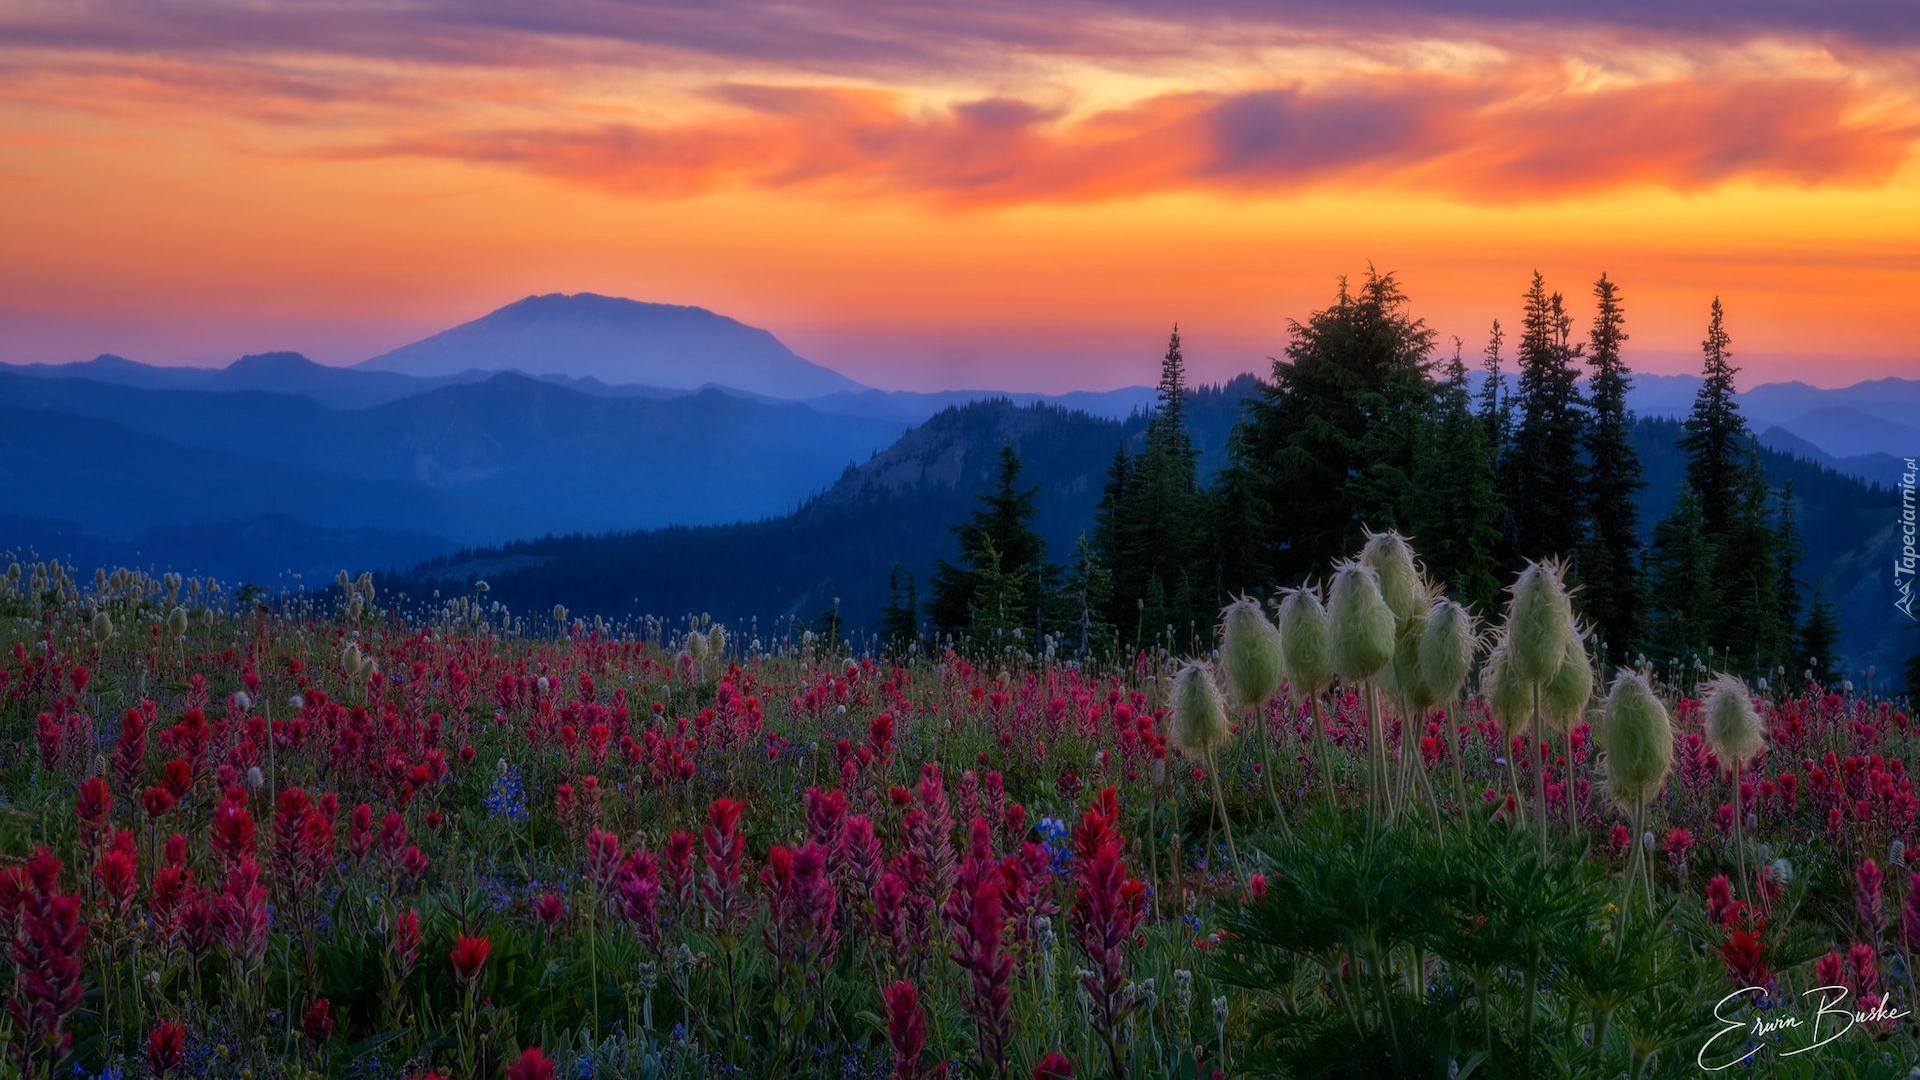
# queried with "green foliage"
point(1151, 526)
point(1818, 638)
point(1333, 437)
point(1002, 570)
point(1608, 562)
point(1454, 504)
point(1541, 467)
point(1410, 951)
point(899, 626)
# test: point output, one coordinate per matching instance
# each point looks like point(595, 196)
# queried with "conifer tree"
point(1680, 573)
point(1543, 469)
point(1454, 504)
point(1746, 575)
point(1087, 594)
point(1332, 436)
point(1819, 640)
point(1151, 527)
point(1610, 558)
point(1001, 526)
point(1789, 554)
point(1717, 436)
point(900, 619)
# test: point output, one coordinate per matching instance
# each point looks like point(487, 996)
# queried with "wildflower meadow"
point(1368, 833)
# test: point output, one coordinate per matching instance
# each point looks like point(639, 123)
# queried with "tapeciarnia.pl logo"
point(1903, 564)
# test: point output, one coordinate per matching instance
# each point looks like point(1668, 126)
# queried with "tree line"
point(1362, 425)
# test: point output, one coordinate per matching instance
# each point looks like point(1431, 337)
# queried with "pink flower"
point(469, 955)
point(1867, 900)
point(533, 1065)
point(906, 1029)
point(1055, 1066)
point(166, 1045)
point(46, 954)
point(725, 849)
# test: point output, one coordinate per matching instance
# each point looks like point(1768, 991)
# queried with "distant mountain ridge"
point(615, 340)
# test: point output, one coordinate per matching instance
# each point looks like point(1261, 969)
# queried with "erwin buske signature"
point(1779, 1029)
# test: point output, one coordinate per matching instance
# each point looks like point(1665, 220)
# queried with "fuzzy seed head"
point(1637, 736)
point(697, 646)
point(1446, 649)
point(1199, 722)
point(1362, 625)
point(1563, 700)
point(1539, 622)
point(1735, 733)
point(717, 640)
point(102, 628)
point(1509, 697)
point(1403, 674)
point(1391, 559)
point(350, 659)
point(1250, 653)
point(177, 622)
point(1304, 644)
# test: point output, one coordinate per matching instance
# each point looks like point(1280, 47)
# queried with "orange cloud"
point(1526, 134)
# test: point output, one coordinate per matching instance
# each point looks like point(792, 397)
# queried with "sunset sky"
point(984, 194)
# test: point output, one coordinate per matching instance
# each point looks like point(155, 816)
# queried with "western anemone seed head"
point(1564, 697)
point(1446, 649)
point(1199, 724)
point(1250, 653)
point(1539, 622)
point(697, 646)
point(1735, 733)
point(350, 659)
point(1361, 623)
point(177, 622)
point(1637, 735)
point(102, 627)
point(1403, 674)
point(717, 640)
point(1391, 559)
point(1303, 642)
point(559, 614)
point(1509, 697)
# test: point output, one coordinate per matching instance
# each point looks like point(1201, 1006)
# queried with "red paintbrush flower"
point(533, 1065)
point(469, 955)
point(166, 1045)
point(906, 1029)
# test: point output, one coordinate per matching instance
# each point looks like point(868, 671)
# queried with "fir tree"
point(1496, 406)
point(1152, 523)
point(1819, 641)
point(1717, 435)
point(1332, 437)
point(1680, 574)
point(1609, 560)
point(1789, 553)
point(1454, 505)
point(1746, 574)
point(1088, 593)
point(1544, 473)
point(1237, 520)
point(1001, 525)
point(900, 619)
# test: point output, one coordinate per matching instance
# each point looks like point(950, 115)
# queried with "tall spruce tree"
point(1002, 559)
point(1088, 594)
point(1454, 504)
point(900, 620)
point(1791, 551)
point(1680, 578)
point(1543, 468)
point(1819, 640)
point(1151, 526)
point(1747, 577)
point(1717, 436)
point(1332, 437)
point(1237, 520)
point(1609, 560)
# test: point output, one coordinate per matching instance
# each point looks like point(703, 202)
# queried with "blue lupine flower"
point(509, 796)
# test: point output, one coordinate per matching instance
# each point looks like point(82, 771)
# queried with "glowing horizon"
point(926, 197)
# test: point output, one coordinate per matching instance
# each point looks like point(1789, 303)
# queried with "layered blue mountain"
point(618, 341)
